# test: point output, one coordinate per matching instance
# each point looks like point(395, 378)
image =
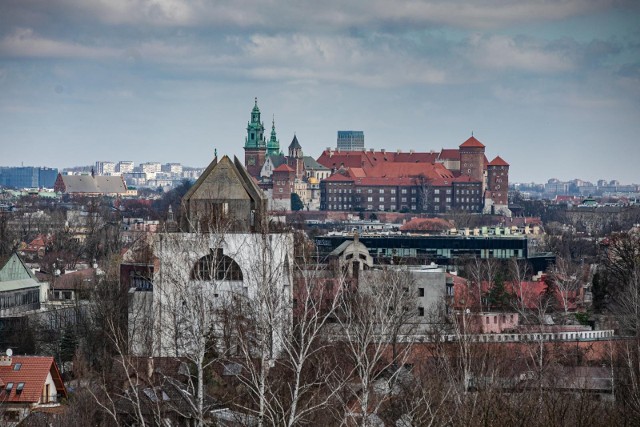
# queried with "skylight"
point(17, 366)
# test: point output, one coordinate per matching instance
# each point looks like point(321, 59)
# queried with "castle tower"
point(498, 181)
point(296, 158)
point(273, 146)
point(472, 159)
point(255, 146)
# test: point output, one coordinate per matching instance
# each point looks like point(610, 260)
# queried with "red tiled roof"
point(81, 279)
point(338, 177)
point(498, 161)
point(283, 168)
point(472, 142)
point(33, 373)
point(414, 170)
point(449, 154)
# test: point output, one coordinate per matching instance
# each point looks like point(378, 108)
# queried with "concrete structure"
point(225, 254)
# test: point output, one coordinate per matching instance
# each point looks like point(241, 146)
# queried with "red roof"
point(472, 142)
point(449, 154)
point(337, 177)
point(283, 168)
point(498, 162)
point(32, 372)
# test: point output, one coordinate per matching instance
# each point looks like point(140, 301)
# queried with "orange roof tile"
point(472, 142)
point(283, 168)
point(33, 373)
point(498, 162)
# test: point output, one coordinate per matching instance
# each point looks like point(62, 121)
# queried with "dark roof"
point(295, 143)
point(310, 163)
point(94, 184)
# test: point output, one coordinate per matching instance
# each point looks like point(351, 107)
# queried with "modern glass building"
point(350, 140)
point(28, 177)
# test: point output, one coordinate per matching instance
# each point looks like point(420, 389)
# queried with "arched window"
point(216, 266)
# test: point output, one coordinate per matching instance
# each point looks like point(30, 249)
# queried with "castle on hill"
point(459, 179)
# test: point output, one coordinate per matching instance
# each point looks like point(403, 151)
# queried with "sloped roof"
point(449, 154)
point(310, 163)
point(337, 177)
point(33, 373)
point(295, 143)
point(277, 159)
point(284, 168)
point(498, 161)
point(472, 142)
point(94, 184)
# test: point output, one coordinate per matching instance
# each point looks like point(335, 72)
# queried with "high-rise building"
point(350, 140)
point(105, 168)
point(124, 166)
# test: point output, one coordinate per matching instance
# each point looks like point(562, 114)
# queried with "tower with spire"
point(273, 146)
point(255, 145)
point(295, 159)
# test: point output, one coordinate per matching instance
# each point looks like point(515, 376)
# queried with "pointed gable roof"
point(284, 168)
point(472, 142)
point(498, 161)
point(295, 143)
point(225, 180)
point(32, 372)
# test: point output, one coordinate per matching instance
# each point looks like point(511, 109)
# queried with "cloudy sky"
point(552, 86)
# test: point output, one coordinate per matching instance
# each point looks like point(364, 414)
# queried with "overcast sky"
point(552, 86)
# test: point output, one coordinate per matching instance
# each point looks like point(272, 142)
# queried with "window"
point(404, 199)
point(420, 292)
point(436, 191)
point(19, 388)
point(369, 191)
point(381, 207)
point(369, 199)
point(381, 199)
point(495, 319)
point(17, 366)
point(436, 199)
point(404, 191)
point(487, 321)
point(393, 191)
point(216, 266)
point(382, 191)
point(8, 388)
point(421, 311)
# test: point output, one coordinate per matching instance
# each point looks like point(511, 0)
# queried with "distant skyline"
point(551, 87)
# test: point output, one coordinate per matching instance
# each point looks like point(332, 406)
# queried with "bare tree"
point(371, 321)
point(567, 279)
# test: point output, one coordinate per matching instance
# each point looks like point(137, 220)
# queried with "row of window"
point(19, 298)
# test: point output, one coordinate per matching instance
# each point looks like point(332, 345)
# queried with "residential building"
point(125, 166)
point(28, 383)
point(105, 168)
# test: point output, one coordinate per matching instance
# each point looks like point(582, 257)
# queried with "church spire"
point(273, 146)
